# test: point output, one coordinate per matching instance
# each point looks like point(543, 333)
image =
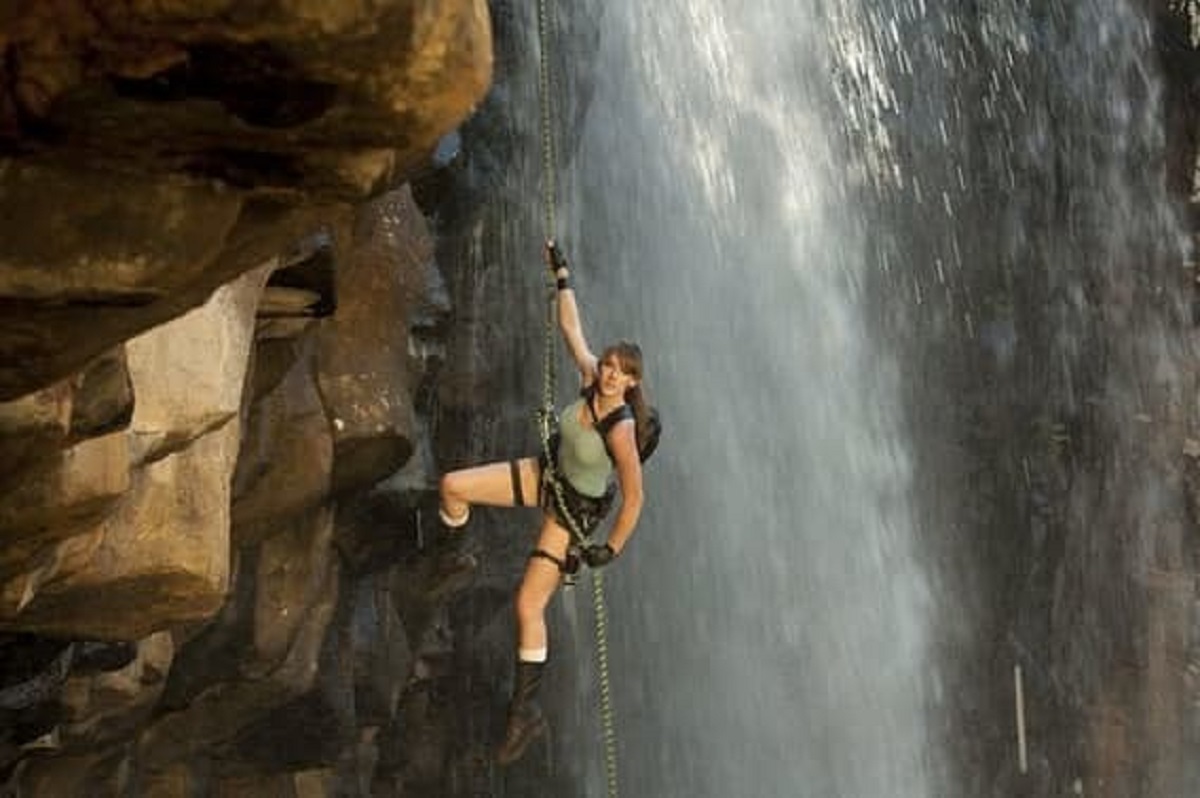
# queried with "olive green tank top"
point(582, 456)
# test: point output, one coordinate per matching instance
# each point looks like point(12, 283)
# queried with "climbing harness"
point(567, 565)
point(547, 417)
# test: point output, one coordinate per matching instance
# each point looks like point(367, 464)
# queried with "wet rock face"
point(207, 481)
point(212, 281)
point(283, 95)
point(150, 152)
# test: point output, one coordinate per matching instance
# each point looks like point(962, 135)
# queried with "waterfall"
point(872, 251)
point(771, 621)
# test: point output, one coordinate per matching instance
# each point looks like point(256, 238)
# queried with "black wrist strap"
point(563, 283)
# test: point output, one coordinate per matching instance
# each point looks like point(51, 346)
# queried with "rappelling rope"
point(546, 415)
point(608, 724)
point(549, 170)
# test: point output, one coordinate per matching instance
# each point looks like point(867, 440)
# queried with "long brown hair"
point(629, 356)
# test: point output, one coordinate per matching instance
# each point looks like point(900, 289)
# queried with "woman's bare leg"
point(490, 484)
point(525, 719)
point(542, 578)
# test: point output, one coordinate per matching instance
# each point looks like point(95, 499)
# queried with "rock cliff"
point(214, 283)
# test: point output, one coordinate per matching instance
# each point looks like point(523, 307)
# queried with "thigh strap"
point(514, 468)
point(567, 566)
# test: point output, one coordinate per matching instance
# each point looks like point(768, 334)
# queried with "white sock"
point(532, 654)
point(451, 521)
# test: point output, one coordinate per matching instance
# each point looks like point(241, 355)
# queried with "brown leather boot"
point(525, 720)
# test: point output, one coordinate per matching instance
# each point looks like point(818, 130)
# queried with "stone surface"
point(103, 400)
point(173, 782)
point(109, 271)
point(286, 95)
point(32, 429)
point(286, 460)
point(108, 707)
point(94, 775)
point(161, 558)
point(293, 575)
point(188, 374)
point(146, 138)
point(77, 488)
point(382, 656)
point(263, 654)
point(204, 331)
point(361, 349)
point(316, 783)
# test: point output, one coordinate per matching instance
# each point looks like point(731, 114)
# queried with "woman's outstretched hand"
point(598, 556)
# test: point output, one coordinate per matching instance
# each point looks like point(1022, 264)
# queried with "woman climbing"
point(599, 433)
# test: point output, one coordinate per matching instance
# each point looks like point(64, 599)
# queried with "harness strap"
point(604, 425)
point(542, 554)
point(514, 468)
point(568, 566)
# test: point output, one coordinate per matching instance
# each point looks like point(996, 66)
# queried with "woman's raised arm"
point(569, 322)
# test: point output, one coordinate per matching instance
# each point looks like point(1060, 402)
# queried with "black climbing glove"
point(598, 556)
point(555, 259)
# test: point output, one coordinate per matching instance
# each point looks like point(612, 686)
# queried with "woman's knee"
point(530, 601)
point(450, 486)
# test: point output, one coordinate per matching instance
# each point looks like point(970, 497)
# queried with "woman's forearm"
point(568, 309)
point(627, 518)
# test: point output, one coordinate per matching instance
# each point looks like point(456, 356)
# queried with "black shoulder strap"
point(603, 425)
point(608, 422)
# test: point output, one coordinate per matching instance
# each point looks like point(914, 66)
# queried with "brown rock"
point(286, 458)
point(177, 781)
point(91, 775)
point(188, 374)
point(292, 575)
point(54, 252)
point(79, 272)
point(47, 333)
point(310, 94)
point(162, 557)
point(108, 707)
point(39, 563)
point(76, 489)
point(103, 399)
point(152, 136)
point(31, 428)
point(317, 783)
point(379, 281)
point(263, 654)
point(48, 482)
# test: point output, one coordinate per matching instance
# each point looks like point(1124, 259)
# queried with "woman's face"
point(614, 380)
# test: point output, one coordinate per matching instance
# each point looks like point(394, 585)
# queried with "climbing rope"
point(547, 419)
point(607, 720)
point(549, 170)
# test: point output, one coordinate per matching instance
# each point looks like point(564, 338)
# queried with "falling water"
point(771, 628)
point(817, 217)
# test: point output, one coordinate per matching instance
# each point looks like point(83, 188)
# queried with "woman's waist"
point(588, 483)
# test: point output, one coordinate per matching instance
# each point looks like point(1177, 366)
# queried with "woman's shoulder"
point(614, 417)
